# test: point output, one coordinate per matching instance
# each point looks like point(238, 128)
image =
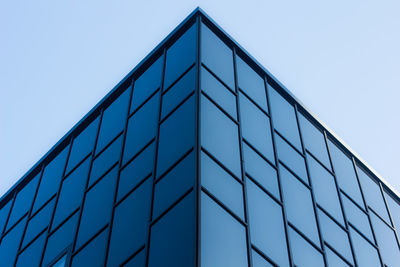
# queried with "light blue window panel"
point(256, 128)
point(217, 56)
point(304, 254)
point(261, 171)
point(291, 158)
point(335, 236)
point(32, 255)
point(394, 208)
point(325, 189)
point(299, 205)
point(251, 83)
point(223, 238)
point(387, 241)
point(92, 254)
point(222, 185)
point(10, 243)
point(259, 261)
point(345, 173)
point(266, 225)
point(284, 118)
point(366, 255)
point(220, 136)
point(334, 260)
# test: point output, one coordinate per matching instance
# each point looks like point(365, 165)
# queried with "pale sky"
point(59, 58)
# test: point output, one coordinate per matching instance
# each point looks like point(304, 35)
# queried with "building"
point(200, 157)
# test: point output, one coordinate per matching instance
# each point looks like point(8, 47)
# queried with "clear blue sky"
point(59, 58)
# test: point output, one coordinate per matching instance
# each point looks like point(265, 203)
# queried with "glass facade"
point(199, 157)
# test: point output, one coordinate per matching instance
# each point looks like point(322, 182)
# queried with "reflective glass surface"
point(92, 254)
point(394, 208)
point(32, 255)
point(366, 255)
point(10, 243)
point(333, 259)
point(4, 211)
point(259, 261)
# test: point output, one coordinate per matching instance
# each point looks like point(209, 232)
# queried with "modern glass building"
point(200, 157)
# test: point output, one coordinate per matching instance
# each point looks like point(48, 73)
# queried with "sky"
point(59, 58)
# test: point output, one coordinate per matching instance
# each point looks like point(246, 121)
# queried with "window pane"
point(218, 92)
point(291, 158)
point(259, 261)
point(219, 136)
point(113, 121)
point(92, 254)
point(180, 56)
point(222, 185)
point(366, 255)
point(345, 174)
point(177, 136)
point(10, 243)
point(138, 261)
point(314, 141)
point(325, 189)
point(130, 224)
point(251, 83)
point(172, 237)
point(31, 255)
point(304, 254)
point(299, 205)
point(223, 238)
point(4, 215)
point(260, 170)
point(97, 208)
point(284, 118)
point(147, 84)
point(266, 225)
point(333, 259)
point(174, 184)
point(142, 127)
point(256, 128)
point(394, 208)
point(71, 193)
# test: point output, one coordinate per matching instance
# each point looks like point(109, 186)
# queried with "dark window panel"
point(394, 208)
point(251, 83)
point(4, 215)
point(136, 171)
point(266, 225)
point(92, 254)
point(177, 135)
point(31, 255)
point(222, 185)
point(97, 207)
point(138, 260)
point(142, 127)
point(10, 244)
point(147, 84)
point(178, 92)
point(220, 136)
point(83, 144)
point(173, 236)
point(335, 261)
point(217, 56)
point(256, 128)
point(223, 238)
point(113, 121)
point(259, 261)
point(366, 255)
point(218, 92)
point(129, 231)
point(51, 179)
point(71, 193)
point(174, 184)
point(180, 56)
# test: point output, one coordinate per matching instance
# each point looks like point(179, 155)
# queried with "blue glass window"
point(83, 144)
point(174, 184)
point(219, 136)
point(334, 260)
point(130, 224)
point(325, 189)
point(31, 255)
point(291, 158)
point(147, 84)
point(365, 254)
point(173, 236)
point(113, 121)
point(71, 193)
point(10, 243)
point(251, 83)
point(180, 56)
point(138, 260)
point(97, 207)
point(394, 208)
point(314, 141)
point(266, 225)
point(218, 92)
point(92, 254)
point(139, 168)
point(177, 136)
point(345, 173)
point(223, 238)
point(284, 118)
point(299, 205)
point(4, 215)
point(178, 92)
point(142, 127)
point(304, 254)
point(51, 179)
point(260, 170)
point(217, 56)
point(259, 261)
point(222, 185)
point(256, 128)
